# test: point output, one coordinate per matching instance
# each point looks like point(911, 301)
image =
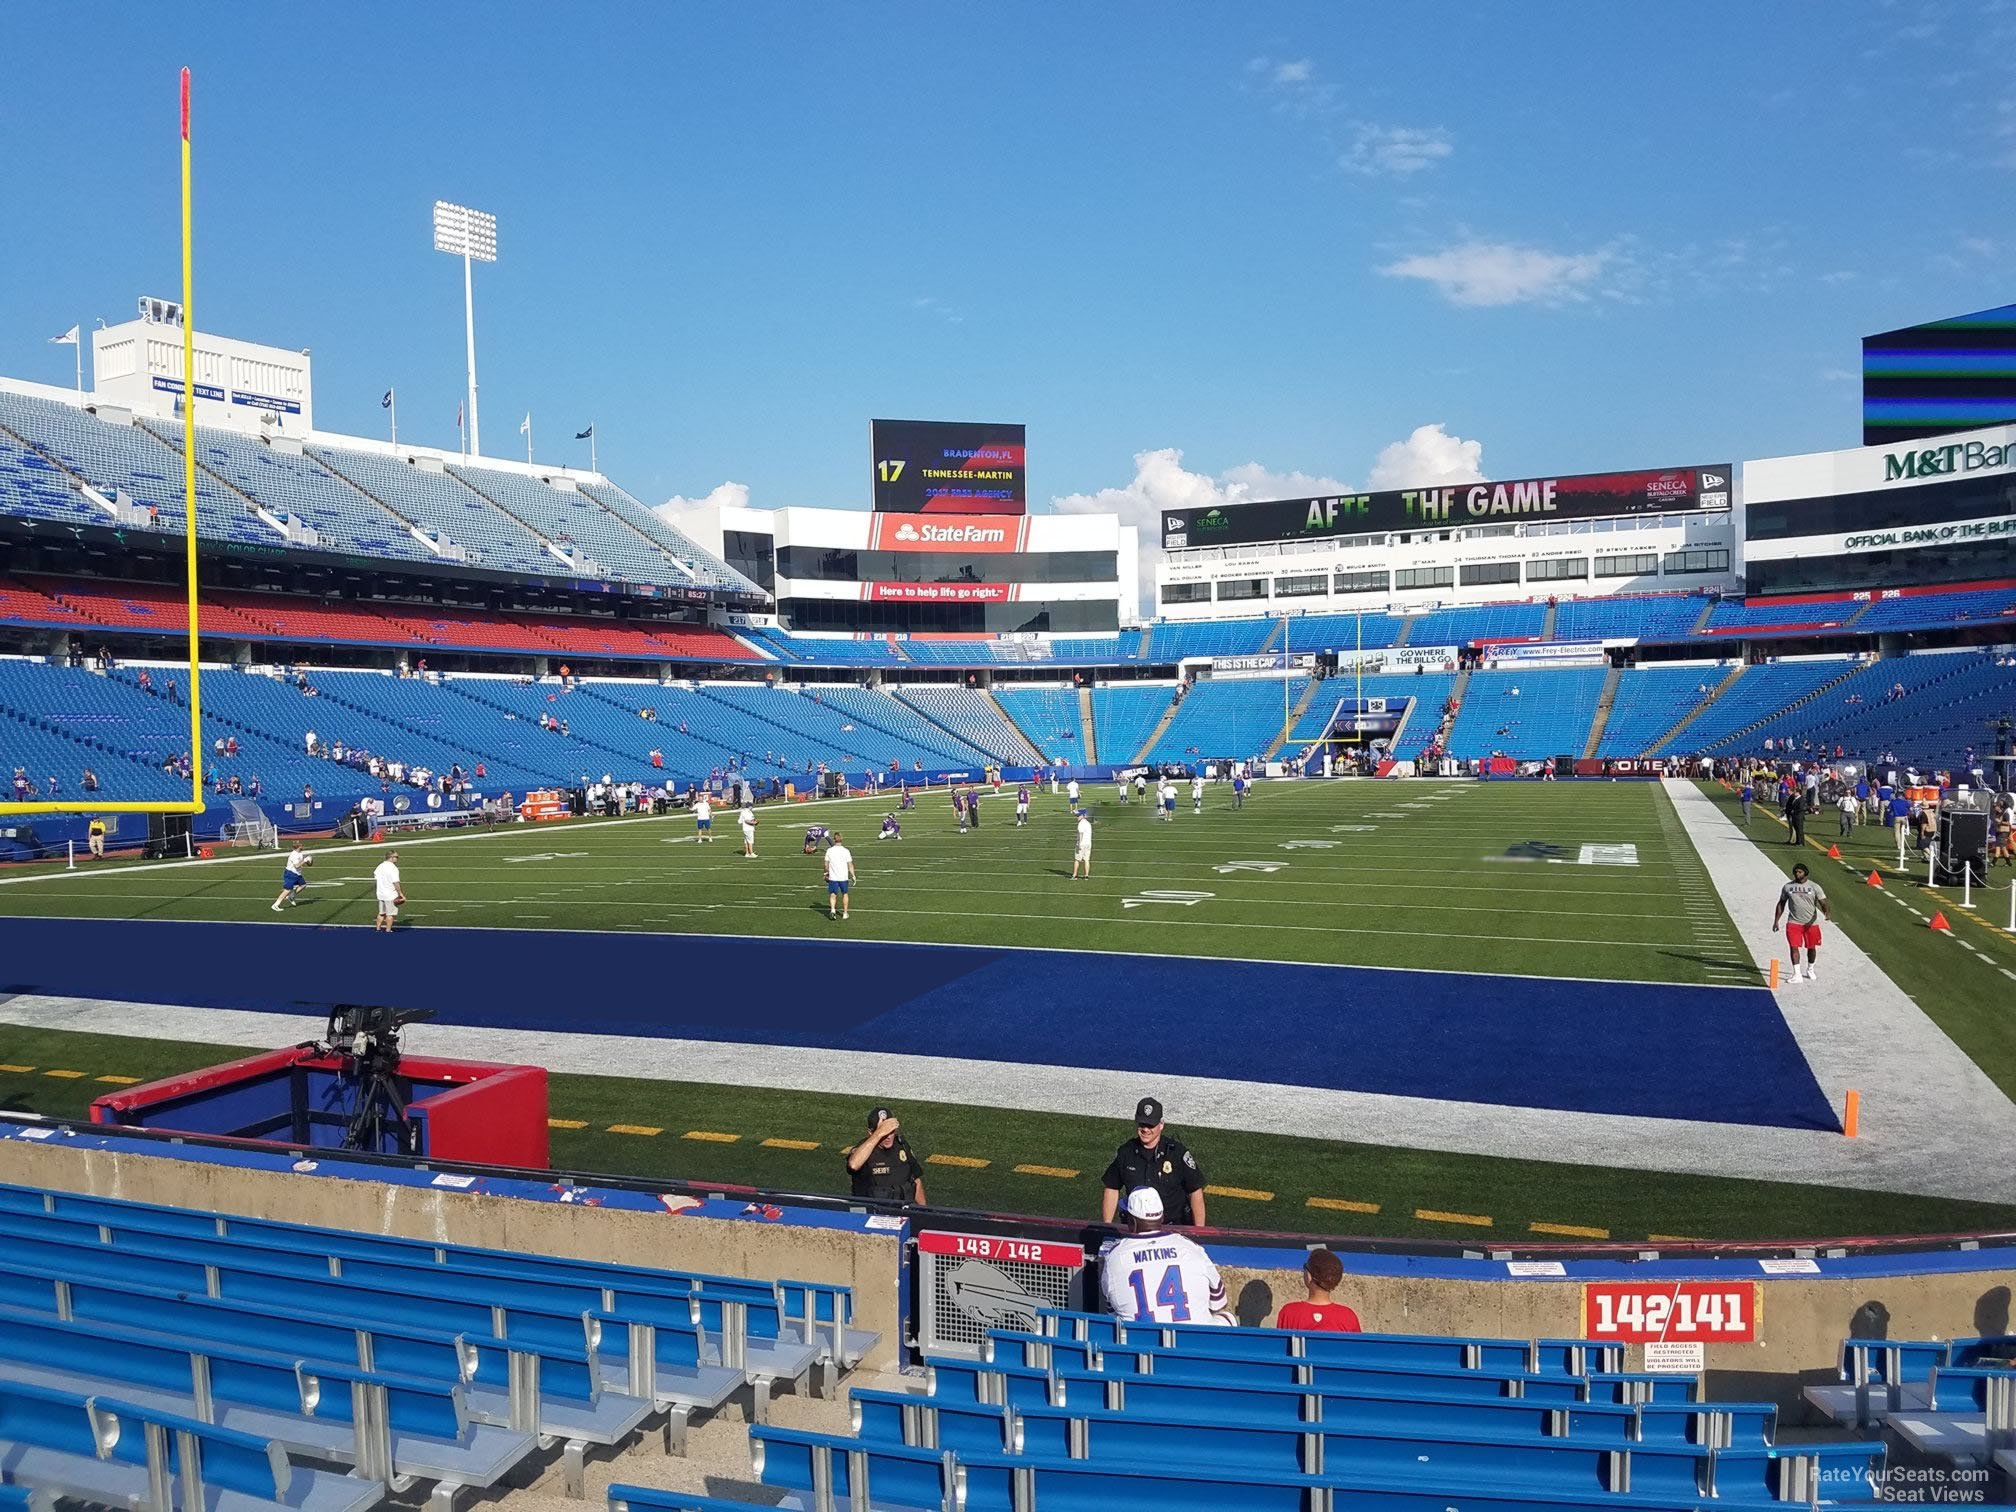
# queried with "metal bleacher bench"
point(110, 1452)
point(1949, 1399)
point(387, 1428)
point(1485, 1425)
point(448, 1365)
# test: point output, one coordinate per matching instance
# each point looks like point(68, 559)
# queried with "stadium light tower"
point(472, 236)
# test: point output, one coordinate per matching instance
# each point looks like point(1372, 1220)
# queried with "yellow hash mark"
point(1569, 1230)
point(1670, 1239)
point(1342, 1205)
point(1244, 1194)
point(118, 1081)
point(634, 1129)
point(709, 1136)
point(790, 1144)
point(1433, 1215)
point(969, 1162)
point(1062, 1173)
point(66, 1075)
point(17, 1070)
point(566, 1123)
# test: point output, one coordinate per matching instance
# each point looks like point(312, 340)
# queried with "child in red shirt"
point(1322, 1273)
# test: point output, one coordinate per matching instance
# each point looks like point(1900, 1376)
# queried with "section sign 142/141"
point(1639, 1312)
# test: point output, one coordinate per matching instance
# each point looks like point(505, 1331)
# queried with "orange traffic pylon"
point(1939, 921)
point(1833, 853)
point(1875, 879)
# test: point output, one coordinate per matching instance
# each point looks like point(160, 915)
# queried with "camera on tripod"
point(366, 1037)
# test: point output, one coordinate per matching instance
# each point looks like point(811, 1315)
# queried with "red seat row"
point(263, 616)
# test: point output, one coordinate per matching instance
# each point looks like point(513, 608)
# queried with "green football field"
point(1334, 873)
point(1491, 879)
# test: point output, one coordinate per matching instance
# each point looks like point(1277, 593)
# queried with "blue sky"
point(1278, 239)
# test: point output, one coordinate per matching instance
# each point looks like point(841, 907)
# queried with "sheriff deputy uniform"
point(1169, 1168)
point(888, 1174)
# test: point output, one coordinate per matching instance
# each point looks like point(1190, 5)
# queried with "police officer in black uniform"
point(883, 1165)
point(1154, 1158)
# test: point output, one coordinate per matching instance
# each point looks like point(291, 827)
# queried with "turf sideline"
point(1927, 1110)
point(1653, 1144)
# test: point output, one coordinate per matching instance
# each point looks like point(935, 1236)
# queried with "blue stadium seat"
point(1649, 702)
point(1487, 622)
point(974, 718)
point(108, 1451)
point(296, 485)
point(1527, 714)
point(1124, 715)
point(1049, 718)
point(1644, 617)
point(1235, 719)
point(377, 1425)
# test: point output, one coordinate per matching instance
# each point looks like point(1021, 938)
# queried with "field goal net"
point(249, 828)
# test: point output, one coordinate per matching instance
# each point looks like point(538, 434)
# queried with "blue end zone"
point(1718, 1054)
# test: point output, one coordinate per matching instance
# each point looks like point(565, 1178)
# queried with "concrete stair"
point(1603, 705)
point(1659, 745)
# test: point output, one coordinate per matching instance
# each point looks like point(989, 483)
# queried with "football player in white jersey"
point(1150, 1275)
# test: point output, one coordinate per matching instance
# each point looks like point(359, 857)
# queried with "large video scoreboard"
point(1940, 377)
point(1587, 496)
point(949, 466)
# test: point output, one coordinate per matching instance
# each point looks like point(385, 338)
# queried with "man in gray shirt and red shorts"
point(1801, 906)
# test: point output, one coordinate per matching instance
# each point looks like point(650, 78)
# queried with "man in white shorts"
point(1149, 1275)
point(839, 877)
point(292, 875)
point(748, 821)
point(1197, 792)
point(385, 883)
point(1082, 856)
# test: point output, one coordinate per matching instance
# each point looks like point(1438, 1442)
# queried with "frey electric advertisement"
point(953, 467)
point(1588, 496)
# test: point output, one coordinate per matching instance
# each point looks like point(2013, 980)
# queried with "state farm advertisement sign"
point(946, 532)
point(937, 593)
point(1646, 1312)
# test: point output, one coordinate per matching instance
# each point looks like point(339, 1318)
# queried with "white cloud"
point(931, 304)
point(1299, 71)
point(1428, 458)
point(700, 519)
point(1396, 149)
point(1499, 273)
point(1430, 455)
